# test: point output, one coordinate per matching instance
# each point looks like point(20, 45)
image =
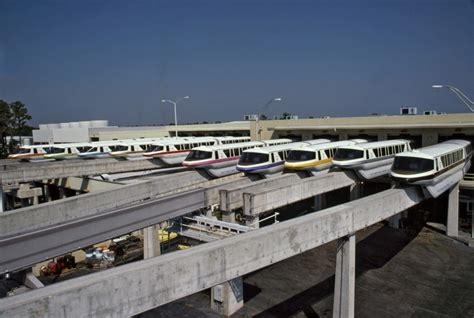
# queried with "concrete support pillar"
point(382, 136)
point(46, 193)
point(151, 242)
point(32, 282)
point(3, 200)
point(394, 221)
point(319, 202)
point(344, 288)
point(452, 224)
point(228, 216)
point(355, 191)
point(228, 297)
point(252, 221)
point(429, 138)
point(61, 193)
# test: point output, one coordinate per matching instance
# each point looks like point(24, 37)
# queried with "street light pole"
point(267, 104)
point(175, 115)
point(469, 103)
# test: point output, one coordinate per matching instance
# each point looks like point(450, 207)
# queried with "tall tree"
point(19, 117)
point(5, 124)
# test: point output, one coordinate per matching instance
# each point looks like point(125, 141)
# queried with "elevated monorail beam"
point(130, 289)
point(271, 198)
point(11, 175)
point(56, 212)
point(231, 197)
point(19, 251)
point(25, 248)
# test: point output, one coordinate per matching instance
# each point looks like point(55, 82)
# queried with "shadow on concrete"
point(372, 252)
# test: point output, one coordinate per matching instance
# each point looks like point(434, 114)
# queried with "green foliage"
point(13, 121)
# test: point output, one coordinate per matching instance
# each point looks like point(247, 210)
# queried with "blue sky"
point(81, 60)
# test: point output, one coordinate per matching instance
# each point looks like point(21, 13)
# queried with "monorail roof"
point(437, 150)
point(376, 144)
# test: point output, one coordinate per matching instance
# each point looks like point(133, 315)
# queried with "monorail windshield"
point(250, 158)
point(348, 154)
point(300, 155)
point(199, 155)
point(412, 165)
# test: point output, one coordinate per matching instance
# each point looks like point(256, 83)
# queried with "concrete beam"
point(28, 248)
point(84, 184)
point(231, 198)
point(24, 248)
point(268, 199)
point(452, 224)
point(86, 205)
point(143, 285)
point(14, 174)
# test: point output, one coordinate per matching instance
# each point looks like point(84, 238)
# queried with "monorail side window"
point(348, 154)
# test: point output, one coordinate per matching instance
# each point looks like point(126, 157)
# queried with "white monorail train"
point(318, 157)
point(271, 159)
point(66, 151)
point(131, 149)
point(30, 153)
point(436, 168)
point(370, 160)
point(103, 149)
point(173, 152)
point(99, 149)
point(221, 160)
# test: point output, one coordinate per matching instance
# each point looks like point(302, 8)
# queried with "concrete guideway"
point(12, 175)
point(24, 250)
point(60, 211)
point(267, 199)
point(140, 286)
point(231, 197)
point(26, 247)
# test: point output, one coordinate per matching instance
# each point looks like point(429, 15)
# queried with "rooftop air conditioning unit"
point(408, 111)
point(250, 117)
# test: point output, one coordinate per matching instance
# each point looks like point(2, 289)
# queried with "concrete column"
point(2, 200)
point(452, 225)
point(35, 200)
point(344, 288)
point(252, 221)
point(394, 221)
point(228, 297)
point(355, 191)
point(61, 193)
point(319, 202)
point(382, 136)
point(46, 193)
point(151, 242)
point(32, 282)
point(228, 216)
point(429, 138)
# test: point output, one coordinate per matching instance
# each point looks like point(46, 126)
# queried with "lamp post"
point(265, 107)
point(175, 116)
point(469, 103)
